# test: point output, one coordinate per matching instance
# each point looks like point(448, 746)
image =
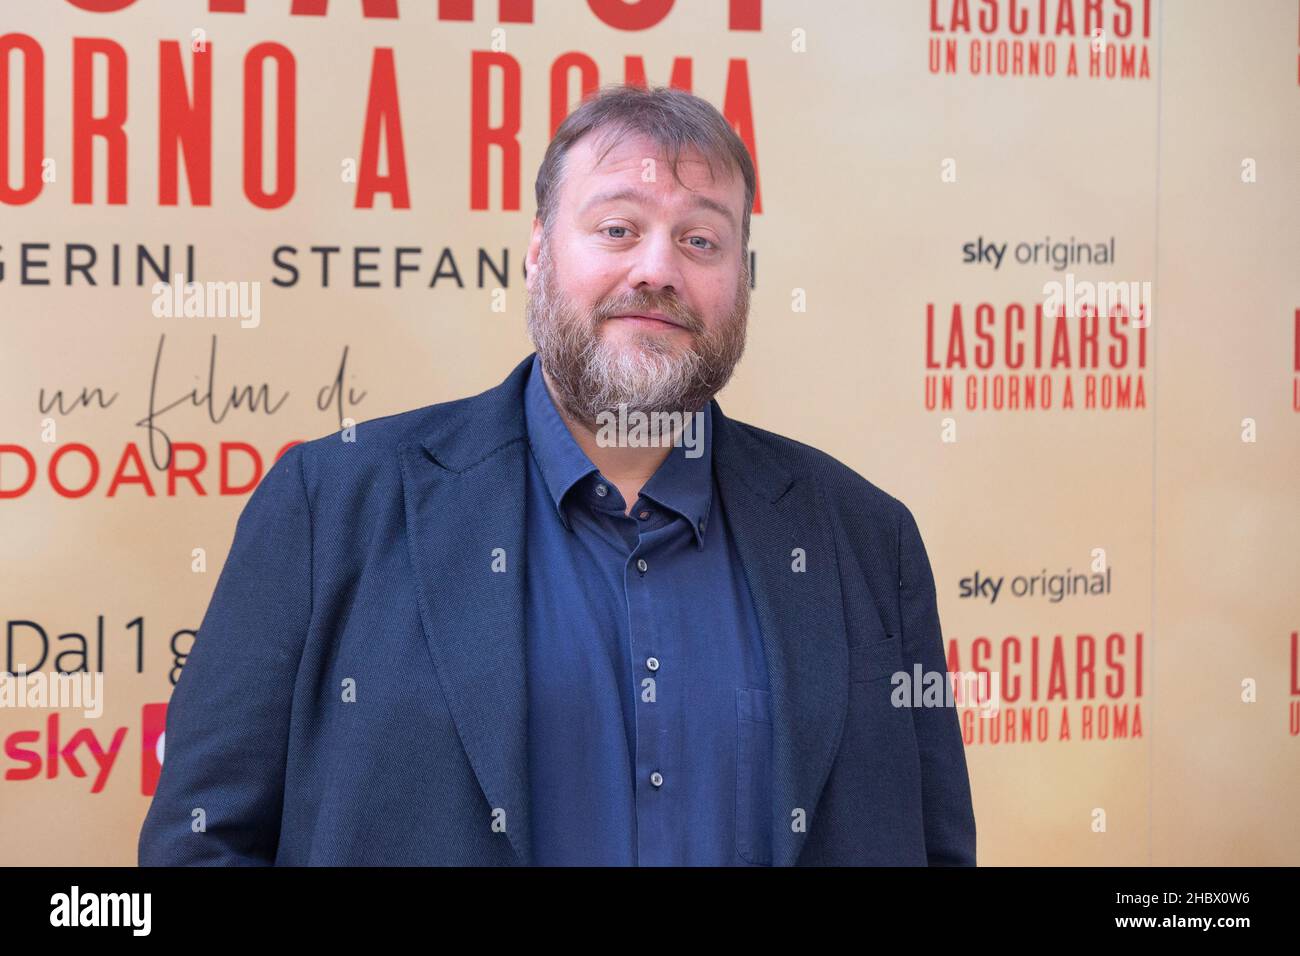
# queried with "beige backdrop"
point(876, 172)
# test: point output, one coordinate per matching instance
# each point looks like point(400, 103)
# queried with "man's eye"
point(608, 228)
point(708, 243)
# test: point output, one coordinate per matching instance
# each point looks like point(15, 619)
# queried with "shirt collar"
point(682, 484)
point(562, 462)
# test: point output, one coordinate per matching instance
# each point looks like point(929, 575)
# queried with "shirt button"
point(656, 779)
point(601, 491)
point(652, 663)
point(641, 565)
point(643, 515)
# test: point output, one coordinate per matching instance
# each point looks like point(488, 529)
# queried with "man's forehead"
point(631, 153)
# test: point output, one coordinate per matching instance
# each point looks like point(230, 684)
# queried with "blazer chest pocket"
point(873, 660)
point(754, 775)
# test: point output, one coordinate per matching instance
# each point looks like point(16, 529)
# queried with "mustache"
point(671, 307)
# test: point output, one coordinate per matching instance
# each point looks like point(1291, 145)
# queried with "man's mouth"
point(649, 320)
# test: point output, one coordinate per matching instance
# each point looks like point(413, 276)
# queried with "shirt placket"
point(657, 686)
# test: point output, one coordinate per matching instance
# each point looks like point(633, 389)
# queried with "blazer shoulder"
point(372, 441)
point(367, 454)
point(845, 489)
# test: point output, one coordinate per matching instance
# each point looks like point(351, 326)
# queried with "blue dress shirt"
point(649, 715)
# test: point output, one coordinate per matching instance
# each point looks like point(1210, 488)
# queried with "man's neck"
point(629, 468)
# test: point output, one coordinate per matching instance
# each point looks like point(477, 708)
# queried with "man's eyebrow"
point(635, 195)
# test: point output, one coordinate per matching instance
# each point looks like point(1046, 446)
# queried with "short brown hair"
point(673, 119)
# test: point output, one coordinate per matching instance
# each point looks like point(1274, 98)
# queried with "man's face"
point(639, 294)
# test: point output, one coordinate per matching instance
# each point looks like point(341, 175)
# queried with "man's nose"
point(655, 267)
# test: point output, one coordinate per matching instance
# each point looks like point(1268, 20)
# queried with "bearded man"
point(499, 631)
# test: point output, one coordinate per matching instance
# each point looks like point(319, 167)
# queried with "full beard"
point(645, 372)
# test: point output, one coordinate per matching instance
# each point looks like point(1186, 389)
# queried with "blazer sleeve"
point(945, 785)
point(227, 727)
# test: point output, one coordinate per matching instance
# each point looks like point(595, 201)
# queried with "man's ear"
point(530, 258)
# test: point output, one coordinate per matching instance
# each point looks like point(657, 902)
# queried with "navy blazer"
point(355, 695)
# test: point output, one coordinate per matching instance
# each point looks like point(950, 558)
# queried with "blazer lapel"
point(773, 517)
point(464, 496)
